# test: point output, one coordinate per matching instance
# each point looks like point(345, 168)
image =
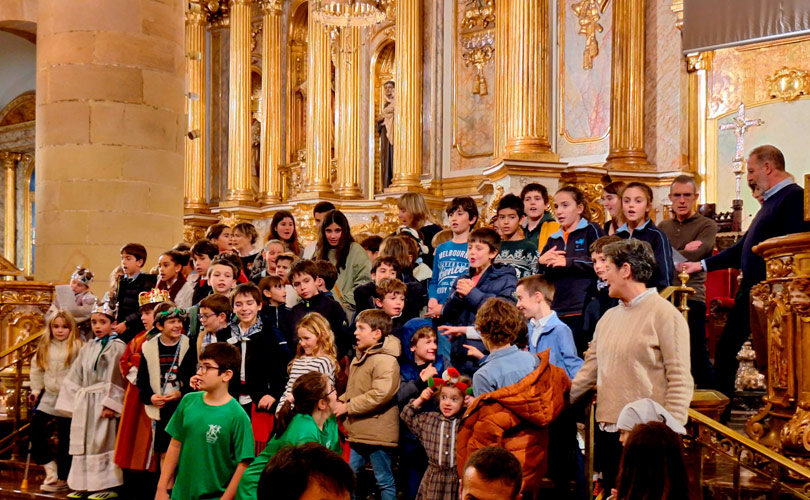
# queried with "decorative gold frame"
point(561, 8)
point(297, 33)
point(28, 217)
point(377, 77)
point(456, 145)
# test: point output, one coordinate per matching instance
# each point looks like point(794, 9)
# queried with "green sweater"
point(302, 429)
point(356, 273)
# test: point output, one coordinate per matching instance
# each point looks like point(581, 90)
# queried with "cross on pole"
point(740, 126)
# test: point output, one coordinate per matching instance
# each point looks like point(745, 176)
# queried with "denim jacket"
point(551, 333)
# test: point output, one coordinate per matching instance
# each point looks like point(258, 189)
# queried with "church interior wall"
point(17, 67)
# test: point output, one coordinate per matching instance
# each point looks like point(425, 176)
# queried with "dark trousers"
point(581, 338)
point(565, 464)
point(141, 484)
point(702, 369)
point(734, 335)
point(41, 449)
point(607, 456)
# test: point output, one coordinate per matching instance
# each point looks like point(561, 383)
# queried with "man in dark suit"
point(781, 213)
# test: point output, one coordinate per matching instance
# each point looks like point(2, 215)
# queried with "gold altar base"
point(509, 167)
point(783, 424)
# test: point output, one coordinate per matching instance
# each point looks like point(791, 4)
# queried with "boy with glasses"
point(210, 432)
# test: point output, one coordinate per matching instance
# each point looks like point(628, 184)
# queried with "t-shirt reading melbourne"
point(449, 262)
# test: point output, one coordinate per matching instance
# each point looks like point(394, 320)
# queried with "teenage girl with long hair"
point(612, 201)
point(282, 227)
point(335, 244)
point(58, 348)
point(566, 260)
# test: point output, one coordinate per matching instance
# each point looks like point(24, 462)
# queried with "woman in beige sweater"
point(640, 350)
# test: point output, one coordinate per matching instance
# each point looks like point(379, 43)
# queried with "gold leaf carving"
point(589, 13)
point(478, 40)
point(789, 83)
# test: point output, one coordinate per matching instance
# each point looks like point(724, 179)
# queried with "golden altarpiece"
point(458, 97)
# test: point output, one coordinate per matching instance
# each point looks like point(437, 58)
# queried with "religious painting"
point(585, 31)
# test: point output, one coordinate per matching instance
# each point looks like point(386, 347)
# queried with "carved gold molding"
point(789, 83)
point(456, 143)
point(478, 39)
point(589, 13)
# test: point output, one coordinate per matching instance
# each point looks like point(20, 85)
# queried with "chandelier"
point(350, 13)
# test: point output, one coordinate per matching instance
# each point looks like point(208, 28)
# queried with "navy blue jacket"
point(781, 214)
point(126, 298)
point(410, 384)
point(498, 280)
point(572, 282)
point(664, 270)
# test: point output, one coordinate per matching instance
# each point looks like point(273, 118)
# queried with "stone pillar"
point(240, 191)
point(272, 87)
point(501, 87)
point(529, 81)
point(196, 99)
point(109, 133)
point(9, 161)
point(408, 97)
point(349, 145)
point(627, 84)
point(319, 111)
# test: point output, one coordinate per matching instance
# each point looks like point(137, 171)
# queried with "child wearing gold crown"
point(77, 299)
point(437, 432)
point(93, 394)
point(133, 448)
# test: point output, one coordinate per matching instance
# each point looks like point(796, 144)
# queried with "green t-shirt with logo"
point(302, 429)
point(215, 439)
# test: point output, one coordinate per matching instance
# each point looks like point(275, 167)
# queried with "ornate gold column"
point(627, 84)
point(195, 161)
point(239, 140)
point(408, 97)
point(501, 88)
point(696, 67)
point(529, 69)
point(319, 111)
point(10, 160)
point(272, 135)
point(348, 149)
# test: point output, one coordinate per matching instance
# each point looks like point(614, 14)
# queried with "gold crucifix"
point(740, 126)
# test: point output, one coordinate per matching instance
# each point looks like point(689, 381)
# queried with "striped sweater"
point(639, 350)
point(306, 364)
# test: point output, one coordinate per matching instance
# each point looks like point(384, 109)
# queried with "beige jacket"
point(370, 397)
point(51, 378)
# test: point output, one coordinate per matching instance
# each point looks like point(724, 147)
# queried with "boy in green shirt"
point(516, 250)
point(212, 440)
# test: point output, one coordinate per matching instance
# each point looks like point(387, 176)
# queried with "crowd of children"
point(407, 352)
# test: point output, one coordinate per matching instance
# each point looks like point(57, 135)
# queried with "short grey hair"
point(636, 253)
point(684, 179)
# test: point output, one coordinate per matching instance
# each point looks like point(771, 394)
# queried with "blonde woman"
point(414, 213)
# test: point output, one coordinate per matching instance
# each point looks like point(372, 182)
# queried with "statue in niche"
point(385, 127)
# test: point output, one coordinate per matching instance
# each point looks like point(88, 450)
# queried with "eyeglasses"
point(203, 317)
point(203, 368)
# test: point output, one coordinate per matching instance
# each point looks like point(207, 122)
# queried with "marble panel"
point(584, 94)
point(665, 95)
point(473, 114)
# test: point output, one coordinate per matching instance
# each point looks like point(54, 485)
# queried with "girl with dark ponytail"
point(309, 416)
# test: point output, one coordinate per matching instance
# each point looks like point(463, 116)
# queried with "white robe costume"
point(94, 382)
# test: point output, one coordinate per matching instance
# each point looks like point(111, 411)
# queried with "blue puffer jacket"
point(411, 385)
point(498, 280)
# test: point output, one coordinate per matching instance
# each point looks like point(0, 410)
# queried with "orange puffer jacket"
point(516, 417)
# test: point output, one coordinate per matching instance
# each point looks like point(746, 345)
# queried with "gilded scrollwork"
point(794, 433)
point(192, 233)
point(799, 297)
point(789, 83)
point(777, 356)
point(593, 193)
point(305, 223)
point(781, 267)
point(589, 13)
point(477, 37)
point(759, 295)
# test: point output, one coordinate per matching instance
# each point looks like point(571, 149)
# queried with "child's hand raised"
point(426, 395)
point(429, 372)
point(474, 352)
point(553, 258)
point(453, 331)
point(464, 286)
point(468, 399)
point(434, 309)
